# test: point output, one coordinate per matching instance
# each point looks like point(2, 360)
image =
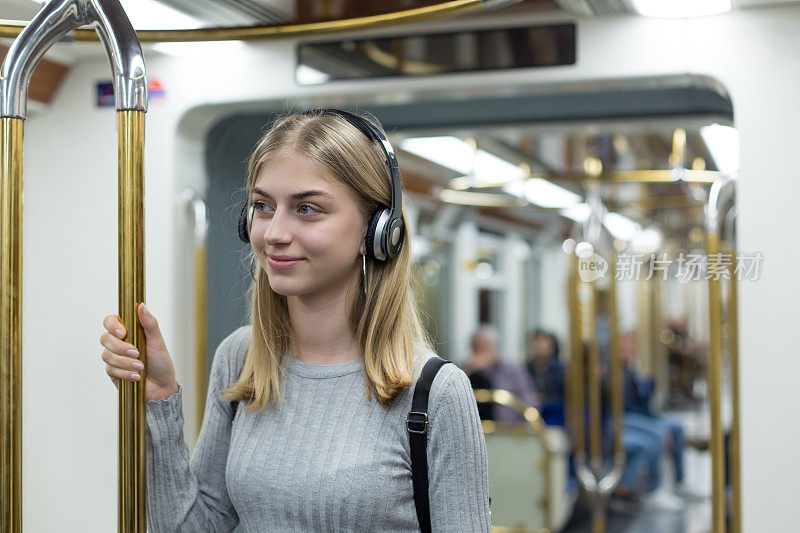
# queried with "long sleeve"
point(186, 494)
point(458, 472)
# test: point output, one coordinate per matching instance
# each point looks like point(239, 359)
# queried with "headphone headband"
point(384, 237)
point(374, 135)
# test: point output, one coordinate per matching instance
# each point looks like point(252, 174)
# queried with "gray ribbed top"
point(325, 459)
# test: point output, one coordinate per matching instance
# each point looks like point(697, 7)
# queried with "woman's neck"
point(321, 332)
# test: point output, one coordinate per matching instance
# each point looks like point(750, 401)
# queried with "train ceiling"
point(552, 150)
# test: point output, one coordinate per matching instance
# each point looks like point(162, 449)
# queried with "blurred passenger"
point(544, 366)
point(643, 448)
point(481, 379)
point(642, 473)
point(686, 365)
point(639, 416)
point(499, 372)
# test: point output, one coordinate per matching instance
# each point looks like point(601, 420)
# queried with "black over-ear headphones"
point(384, 237)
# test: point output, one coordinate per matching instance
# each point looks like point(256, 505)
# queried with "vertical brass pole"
point(53, 21)
point(616, 370)
point(11, 323)
point(585, 376)
point(196, 208)
point(575, 386)
point(593, 378)
point(201, 315)
point(658, 352)
point(714, 377)
point(132, 458)
point(595, 415)
point(733, 438)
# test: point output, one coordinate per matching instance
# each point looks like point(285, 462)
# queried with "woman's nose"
point(277, 228)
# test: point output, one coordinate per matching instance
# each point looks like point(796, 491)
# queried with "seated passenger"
point(642, 472)
point(501, 373)
point(686, 366)
point(639, 417)
point(547, 373)
point(480, 379)
point(643, 448)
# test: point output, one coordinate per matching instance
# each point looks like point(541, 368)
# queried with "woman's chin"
point(285, 289)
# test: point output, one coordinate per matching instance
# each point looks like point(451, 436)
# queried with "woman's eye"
point(260, 207)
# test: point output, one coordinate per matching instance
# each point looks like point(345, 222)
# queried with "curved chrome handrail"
point(56, 19)
point(720, 201)
point(124, 53)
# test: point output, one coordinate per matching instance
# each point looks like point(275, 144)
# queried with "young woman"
point(323, 373)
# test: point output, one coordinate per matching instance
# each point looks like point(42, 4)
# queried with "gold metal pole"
point(585, 367)
point(660, 355)
point(593, 377)
point(132, 454)
point(54, 20)
point(201, 315)
point(714, 377)
point(10, 28)
point(733, 438)
point(575, 391)
point(616, 370)
point(595, 439)
point(11, 323)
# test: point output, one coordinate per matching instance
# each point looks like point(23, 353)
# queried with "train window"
point(438, 53)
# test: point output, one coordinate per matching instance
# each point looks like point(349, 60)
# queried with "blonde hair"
point(384, 321)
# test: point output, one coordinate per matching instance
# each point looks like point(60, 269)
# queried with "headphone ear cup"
point(397, 227)
point(371, 229)
point(244, 236)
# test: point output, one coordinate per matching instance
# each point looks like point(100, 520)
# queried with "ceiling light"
point(308, 76)
point(450, 152)
point(483, 168)
point(621, 227)
point(647, 241)
point(680, 8)
point(153, 15)
point(492, 170)
point(577, 212)
point(542, 193)
point(198, 48)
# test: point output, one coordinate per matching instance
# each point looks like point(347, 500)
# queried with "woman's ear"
point(363, 248)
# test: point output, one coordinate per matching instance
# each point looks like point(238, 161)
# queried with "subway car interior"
point(596, 194)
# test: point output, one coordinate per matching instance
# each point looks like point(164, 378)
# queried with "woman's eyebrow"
point(296, 196)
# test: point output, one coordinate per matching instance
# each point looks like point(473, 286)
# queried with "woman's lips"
point(281, 265)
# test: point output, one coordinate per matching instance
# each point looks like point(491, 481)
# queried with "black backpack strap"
point(417, 426)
